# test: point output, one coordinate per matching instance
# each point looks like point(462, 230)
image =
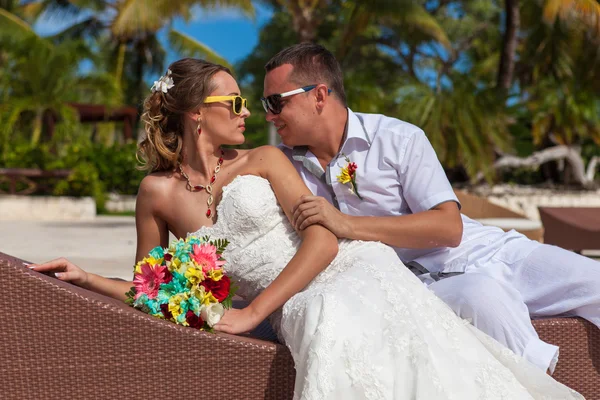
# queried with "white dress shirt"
point(398, 174)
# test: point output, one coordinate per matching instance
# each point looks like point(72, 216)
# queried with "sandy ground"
point(105, 246)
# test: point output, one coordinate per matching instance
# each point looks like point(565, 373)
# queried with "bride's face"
point(220, 119)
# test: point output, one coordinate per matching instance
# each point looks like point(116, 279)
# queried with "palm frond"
point(135, 17)
point(586, 11)
point(11, 24)
point(90, 27)
point(187, 46)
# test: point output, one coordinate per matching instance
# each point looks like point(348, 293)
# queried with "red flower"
point(193, 320)
point(168, 276)
point(164, 308)
point(352, 167)
point(219, 289)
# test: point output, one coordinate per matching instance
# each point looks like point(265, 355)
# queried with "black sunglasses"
point(273, 102)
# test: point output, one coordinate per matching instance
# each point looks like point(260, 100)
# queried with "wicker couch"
point(63, 342)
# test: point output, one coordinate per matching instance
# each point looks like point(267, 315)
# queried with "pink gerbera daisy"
point(206, 257)
point(148, 281)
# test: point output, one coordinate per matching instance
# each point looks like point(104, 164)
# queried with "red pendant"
point(220, 160)
point(198, 187)
point(208, 213)
point(213, 179)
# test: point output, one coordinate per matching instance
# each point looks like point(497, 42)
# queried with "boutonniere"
point(348, 175)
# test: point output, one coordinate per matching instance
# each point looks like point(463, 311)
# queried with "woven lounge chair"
point(63, 342)
point(573, 228)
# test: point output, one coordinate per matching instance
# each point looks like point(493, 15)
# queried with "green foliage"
point(96, 169)
point(433, 63)
point(464, 125)
point(228, 302)
point(220, 244)
point(83, 181)
point(130, 296)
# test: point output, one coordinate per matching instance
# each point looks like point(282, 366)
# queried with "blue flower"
point(177, 285)
point(157, 252)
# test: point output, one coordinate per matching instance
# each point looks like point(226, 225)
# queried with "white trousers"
point(501, 296)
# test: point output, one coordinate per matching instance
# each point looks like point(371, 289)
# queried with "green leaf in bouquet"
point(220, 244)
point(228, 302)
point(130, 296)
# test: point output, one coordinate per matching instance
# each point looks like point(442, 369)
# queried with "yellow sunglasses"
point(237, 102)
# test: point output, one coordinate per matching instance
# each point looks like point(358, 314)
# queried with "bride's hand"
point(64, 270)
point(236, 321)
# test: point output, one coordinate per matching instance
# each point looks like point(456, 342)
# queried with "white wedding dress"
point(366, 327)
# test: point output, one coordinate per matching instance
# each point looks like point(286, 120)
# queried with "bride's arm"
point(319, 246)
point(151, 232)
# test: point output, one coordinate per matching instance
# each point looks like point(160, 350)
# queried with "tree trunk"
point(509, 45)
point(304, 20)
point(572, 155)
point(120, 63)
point(37, 127)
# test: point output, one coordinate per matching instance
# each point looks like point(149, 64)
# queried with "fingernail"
point(57, 274)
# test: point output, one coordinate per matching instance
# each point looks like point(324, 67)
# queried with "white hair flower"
point(163, 84)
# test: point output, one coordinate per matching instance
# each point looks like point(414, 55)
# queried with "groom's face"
point(293, 124)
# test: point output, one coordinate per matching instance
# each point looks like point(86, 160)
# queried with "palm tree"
point(465, 124)
point(127, 30)
point(355, 17)
point(577, 14)
point(42, 80)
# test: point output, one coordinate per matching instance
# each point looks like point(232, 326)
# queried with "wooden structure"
point(99, 113)
point(28, 177)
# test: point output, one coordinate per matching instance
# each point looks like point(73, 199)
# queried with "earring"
point(199, 128)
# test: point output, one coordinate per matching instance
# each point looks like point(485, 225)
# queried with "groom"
point(378, 178)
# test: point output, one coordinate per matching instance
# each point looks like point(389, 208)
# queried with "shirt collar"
point(355, 131)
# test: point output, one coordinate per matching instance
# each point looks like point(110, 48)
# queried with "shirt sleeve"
point(423, 180)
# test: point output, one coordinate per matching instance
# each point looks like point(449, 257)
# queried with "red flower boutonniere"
point(348, 175)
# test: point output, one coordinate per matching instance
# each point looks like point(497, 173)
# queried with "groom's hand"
point(310, 210)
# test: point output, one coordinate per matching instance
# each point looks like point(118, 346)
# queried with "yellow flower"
point(344, 177)
point(194, 275)
point(175, 304)
point(204, 298)
point(209, 298)
point(174, 265)
point(184, 266)
point(138, 267)
point(215, 274)
point(198, 291)
point(153, 261)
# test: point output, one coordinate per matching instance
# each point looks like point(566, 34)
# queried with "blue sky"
point(226, 31)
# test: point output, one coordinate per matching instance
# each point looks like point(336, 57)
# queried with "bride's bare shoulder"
point(267, 153)
point(157, 183)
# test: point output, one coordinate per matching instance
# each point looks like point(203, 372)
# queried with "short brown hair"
point(163, 112)
point(312, 64)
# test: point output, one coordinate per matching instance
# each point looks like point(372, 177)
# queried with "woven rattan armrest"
point(59, 341)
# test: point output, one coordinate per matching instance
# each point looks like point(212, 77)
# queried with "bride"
point(359, 325)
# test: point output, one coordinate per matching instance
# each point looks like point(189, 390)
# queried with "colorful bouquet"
point(185, 283)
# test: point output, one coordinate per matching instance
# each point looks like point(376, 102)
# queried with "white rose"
point(212, 313)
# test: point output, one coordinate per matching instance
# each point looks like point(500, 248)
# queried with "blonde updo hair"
point(163, 112)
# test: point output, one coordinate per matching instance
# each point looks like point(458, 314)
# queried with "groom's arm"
point(440, 226)
point(435, 220)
